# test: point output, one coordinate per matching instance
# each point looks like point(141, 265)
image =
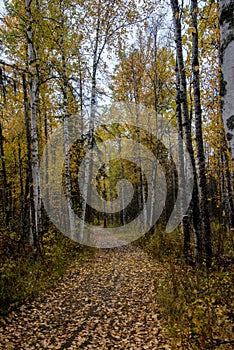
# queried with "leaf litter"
point(108, 302)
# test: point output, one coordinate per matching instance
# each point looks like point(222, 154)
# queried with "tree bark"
point(33, 66)
point(229, 193)
point(93, 105)
point(65, 126)
point(199, 138)
point(5, 185)
point(22, 228)
point(187, 129)
point(227, 82)
point(185, 220)
point(29, 207)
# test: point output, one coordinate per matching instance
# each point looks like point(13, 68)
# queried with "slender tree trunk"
point(29, 207)
point(199, 138)
point(2, 85)
point(34, 100)
point(46, 219)
point(22, 229)
point(65, 128)
point(227, 81)
point(141, 187)
point(185, 220)
point(6, 208)
point(155, 89)
point(123, 212)
point(88, 161)
point(187, 129)
point(93, 105)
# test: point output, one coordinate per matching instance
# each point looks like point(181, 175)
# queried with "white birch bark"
point(34, 100)
point(71, 214)
point(121, 185)
point(187, 127)
point(227, 62)
point(88, 160)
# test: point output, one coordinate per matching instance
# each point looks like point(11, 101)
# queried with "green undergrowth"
point(197, 304)
point(23, 279)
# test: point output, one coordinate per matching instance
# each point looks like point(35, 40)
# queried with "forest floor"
point(107, 302)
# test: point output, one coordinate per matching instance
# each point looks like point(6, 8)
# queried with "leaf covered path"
point(108, 302)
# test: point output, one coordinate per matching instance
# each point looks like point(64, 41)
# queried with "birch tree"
point(34, 84)
point(185, 219)
point(199, 136)
point(105, 21)
point(65, 108)
point(187, 126)
point(227, 54)
point(4, 176)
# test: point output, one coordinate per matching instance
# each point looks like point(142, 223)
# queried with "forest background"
point(66, 57)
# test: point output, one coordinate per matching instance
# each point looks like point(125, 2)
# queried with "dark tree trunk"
point(22, 228)
point(187, 129)
point(29, 205)
point(6, 208)
point(34, 84)
point(199, 138)
point(185, 220)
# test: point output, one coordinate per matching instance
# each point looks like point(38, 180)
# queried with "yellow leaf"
point(192, 30)
point(196, 68)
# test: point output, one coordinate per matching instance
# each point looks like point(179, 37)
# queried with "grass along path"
point(106, 303)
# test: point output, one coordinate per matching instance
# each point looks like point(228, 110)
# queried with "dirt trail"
point(106, 303)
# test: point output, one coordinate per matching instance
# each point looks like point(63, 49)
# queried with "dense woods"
point(66, 58)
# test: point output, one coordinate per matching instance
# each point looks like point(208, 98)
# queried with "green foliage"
point(23, 279)
point(197, 304)
point(162, 245)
